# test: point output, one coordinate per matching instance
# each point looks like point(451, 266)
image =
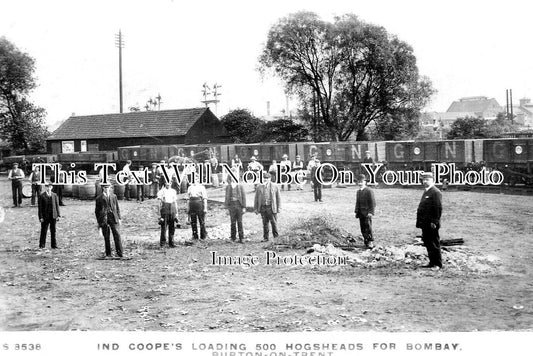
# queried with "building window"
point(83, 146)
point(67, 146)
point(93, 147)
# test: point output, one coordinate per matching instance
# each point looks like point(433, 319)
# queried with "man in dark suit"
point(107, 214)
point(364, 210)
point(428, 219)
point(48, 205)
point(58, 188)
point(267, 202)
point(236, 204)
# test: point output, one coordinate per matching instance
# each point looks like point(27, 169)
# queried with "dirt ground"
point(181, 290)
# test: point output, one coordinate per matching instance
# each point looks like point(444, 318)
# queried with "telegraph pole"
point(207, 91)
point(120, 44)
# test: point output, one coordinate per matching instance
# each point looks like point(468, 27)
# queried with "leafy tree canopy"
point(347, 73)
point(471, 127)
point(282, 130)
point(467, 127)
point(21, 122)
point(242, 125)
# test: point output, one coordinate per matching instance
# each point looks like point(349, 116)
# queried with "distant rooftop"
point(475, 104)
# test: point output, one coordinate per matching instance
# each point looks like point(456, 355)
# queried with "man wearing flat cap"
point(48, 205)
point(267, 202)
point(364, 210)
point(428, 219)
point(107, 214)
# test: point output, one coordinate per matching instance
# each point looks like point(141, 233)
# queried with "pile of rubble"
point(457, 258)
point(315, 230)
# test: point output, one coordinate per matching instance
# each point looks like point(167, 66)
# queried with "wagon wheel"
point(26, 190)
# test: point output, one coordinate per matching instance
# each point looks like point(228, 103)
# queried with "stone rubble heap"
point(458, 258)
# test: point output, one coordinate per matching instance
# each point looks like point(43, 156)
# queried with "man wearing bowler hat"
point(364, 210)
point(267, 202)
point(48, 213)
point(107, 214)
point(428, 219)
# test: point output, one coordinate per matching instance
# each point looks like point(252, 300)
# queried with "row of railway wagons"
point(461, 152)
point(513, 156)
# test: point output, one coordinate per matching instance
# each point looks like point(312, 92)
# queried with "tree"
point(349, 73)
point(467, 128)
point(282, 130)
point(21, 122)
point(242, 125)
point(404, 125)
point(498, 127)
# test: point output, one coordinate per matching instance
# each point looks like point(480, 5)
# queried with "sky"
point(172, 47)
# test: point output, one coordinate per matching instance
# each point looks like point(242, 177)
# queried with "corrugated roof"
point(477, 104)
point(133, 124)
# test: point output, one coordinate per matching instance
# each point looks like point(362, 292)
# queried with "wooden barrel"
point(146, 191)
point(26, 190)
point(75, 191)
point(67, 190)
point(184, 185)
point(215, 180)
point(118, 190)
point(97, 187)
point(152, 190)
point(87, 191)
point(133, 191)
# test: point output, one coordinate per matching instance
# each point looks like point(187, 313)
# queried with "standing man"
point(236, 204)
point(127, 169)
point(237, 164)
point(161, 175)
point(154, 178)
point(297, 166)
point(368, 158)
point(312, 161)
point(140, 186)
point(428, 219)
point(35, 178)
point(169, 211)
point(287, 168)
point(317, 185)
point(267, 202)
point(107, 214)
point(25, 166)
point(197, 197)
point(48, 215)
point(58, 187)
point(364, 210)
point(16, 175)
point(255, 167)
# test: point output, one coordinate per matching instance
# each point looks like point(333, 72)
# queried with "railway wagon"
point(513, 157)
point(419, 155)
point(142, 154)
point(246, 151)
point(85, 160)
